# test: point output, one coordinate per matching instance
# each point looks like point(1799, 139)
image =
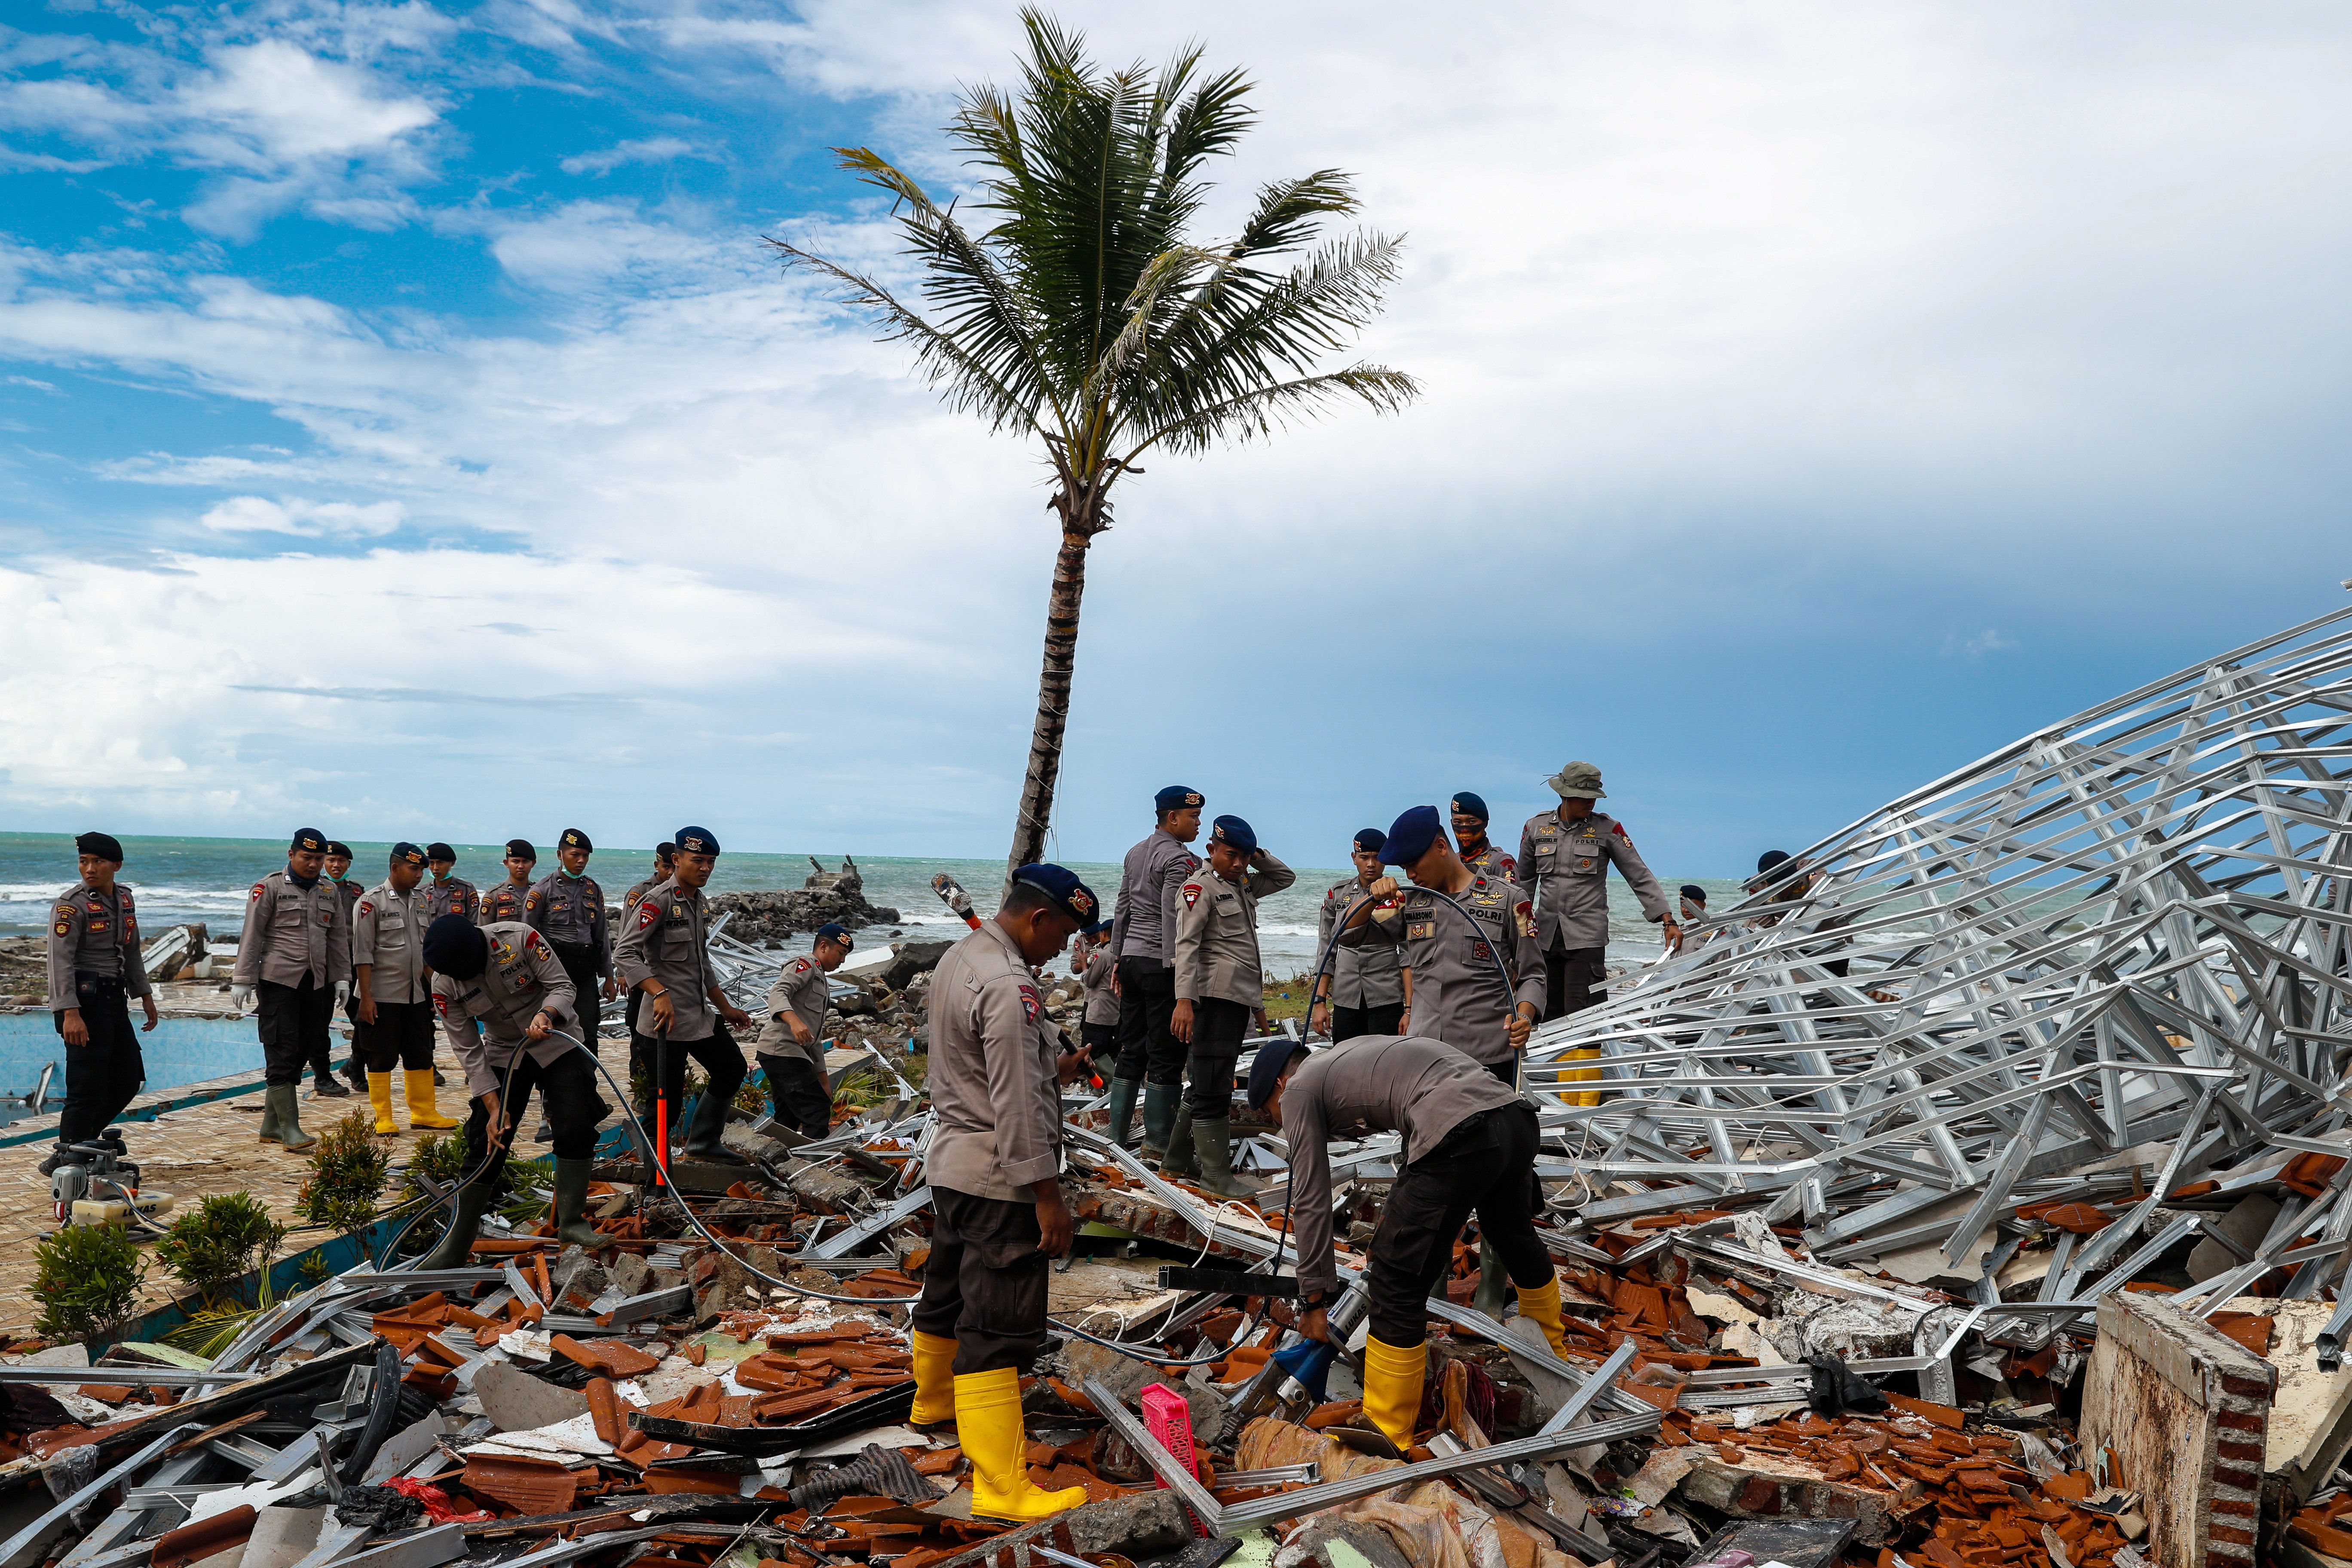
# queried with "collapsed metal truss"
point(2126, 929)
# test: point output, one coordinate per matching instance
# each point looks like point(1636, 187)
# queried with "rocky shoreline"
point(827, 897)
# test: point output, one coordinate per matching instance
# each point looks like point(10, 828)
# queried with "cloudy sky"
point(404, 430)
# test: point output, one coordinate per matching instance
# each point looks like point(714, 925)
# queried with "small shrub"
point(87, 1278)
point(442, 1157)
point(348, 1172)
point(753, 1096)
point(211, 1247)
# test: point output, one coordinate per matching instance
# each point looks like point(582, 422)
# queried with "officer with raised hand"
point(295, 949)
point(322, 1068)
point(506, 901)
point(1461, 995)
point(998, 1213)
point(94, 971)
point(506, 1007)
point(641, 1046)
point(1362, 990)
point(790, 1048)
point(1564, 859)
point(1480, 853)
point(1143, 938)
point(666, 953)
point(1469, 1145)
point(450, 894)
point(1220, 990)
point(391, 993)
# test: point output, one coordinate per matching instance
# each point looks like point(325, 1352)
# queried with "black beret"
point(1693, 892)
point(698, 841)
point(407, 853)
point(835, 933)
point(1176, 797)
point(1369, 840)
point(665, 851)
point(1469, 804)
point(437, 851)
point(455, 947)
point(574, 840)
point(105, 846)
point(337, 847)
point(1266, 1071)
point(521, 849)
point(1070, 895)
point(308, 839)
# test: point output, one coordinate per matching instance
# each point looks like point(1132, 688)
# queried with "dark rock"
point(517, 1402)
point(1315, 1536)
point(838, 897)
point(914, 958)
point(1132, 1527)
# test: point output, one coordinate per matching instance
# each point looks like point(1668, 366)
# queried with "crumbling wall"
point(2183, 1412)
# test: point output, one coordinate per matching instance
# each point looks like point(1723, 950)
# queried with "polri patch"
point(1192, 894)
point(1029, 1003)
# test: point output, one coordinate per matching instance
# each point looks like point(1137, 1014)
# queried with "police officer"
point(391, 993)
point(1361, 990)
point(94, 970)
point(1220, 991)
point(450, 894)
point(1564, 859)
point(1479, 852)
point(505, 902)
point(1143, 936)
point(1460, 994)
point(664, 953)
point(641, 1047)
point(295, 947)
point(1092, 965)
point(502, 998)
point(567, 907)
point(791, 1052)
point(998, 1213)
point(322, 1068)
point(1469, 1144)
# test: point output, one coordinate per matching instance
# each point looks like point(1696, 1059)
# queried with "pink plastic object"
point(1170, 1421)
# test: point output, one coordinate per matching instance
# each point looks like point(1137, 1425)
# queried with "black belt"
point(102, 986)
point(574, 951)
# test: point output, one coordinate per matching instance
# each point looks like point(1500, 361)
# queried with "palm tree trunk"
point(1053, 704)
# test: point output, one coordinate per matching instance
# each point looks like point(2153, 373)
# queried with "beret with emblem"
point(1176, 797)
point(105, 846)
point(1411, 836)
point(407, 853)
point(574, 840)
point(1469, 804)
point(1235, 833)
point(835, 932)
point(1369, 840)
point(697, 841)
point(307, 840)
point(521, 849)
point(1062, 886)
point(337, 847)
point(439, 851)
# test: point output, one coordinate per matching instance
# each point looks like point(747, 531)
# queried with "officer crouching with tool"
point(501, 996)
point(790, 1048)
point(998, 1214)
point(1220, 991)
point(94, 971)
point(1469, 1144)
point(666, 953)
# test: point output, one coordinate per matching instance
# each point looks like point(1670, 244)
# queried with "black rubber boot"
point(456, 1248)
point(571, 1226)
point(1159, 1116)
point(1183, 1158)
point(705, 1140)
point(1213, 1143)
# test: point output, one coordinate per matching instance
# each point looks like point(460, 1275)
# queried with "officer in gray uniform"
point(322, 1069)
point(502, 997)
point(1480, 853)
point(1219, 989)
point(506, 901)
point(666, 953)
point(1362, 990)
point(567, 907)
point(1460, 994)
point(391, 994)
point(791, 1048)
point(1092, 964)
point(1143, 936)
point(1564, 860)
point(450, 894)
point(641, 1047)
point(94, 970)
point(295, 947)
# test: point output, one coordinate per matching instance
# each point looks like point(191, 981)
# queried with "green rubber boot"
point(571, 1226)
point(456, 1248)
point(1212, 1143)
point(1181, 1159)
point(1123, 1092)
point(287, 1117)
point(705, 1140)
point(1494, 1280)
point(1159, 1116)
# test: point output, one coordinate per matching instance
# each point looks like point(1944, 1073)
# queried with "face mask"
point(574, 875)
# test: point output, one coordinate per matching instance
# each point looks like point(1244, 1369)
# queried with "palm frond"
point(1259, 412)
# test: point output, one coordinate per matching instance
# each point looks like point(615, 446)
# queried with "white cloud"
point(313, 519)
point(651, 150)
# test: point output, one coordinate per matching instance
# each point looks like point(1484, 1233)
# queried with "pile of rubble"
point(826, 897)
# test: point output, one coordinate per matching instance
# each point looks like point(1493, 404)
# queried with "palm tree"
point(1085, 315)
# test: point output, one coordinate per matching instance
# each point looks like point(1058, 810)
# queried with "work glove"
point(342, 992)
point(241, 998)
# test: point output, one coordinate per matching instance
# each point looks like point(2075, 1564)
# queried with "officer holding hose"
point(502, 998)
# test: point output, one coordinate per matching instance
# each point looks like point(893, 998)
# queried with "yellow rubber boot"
point(935, 1403)
point(1541, 1305)
point(380, 1096)
point(422, 1111)
point(1581, 1075)
point(988, 1426)
point(1392, 1378)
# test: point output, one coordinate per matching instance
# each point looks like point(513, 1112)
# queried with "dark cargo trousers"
point(797, 1091)
point(293, 1021)
point(1148, 1053)
point(984, 1287)
point(103, 1076)
point(1219, 1026)
point(1347, 1022)
point(1575, 978)
point(1487, 1165)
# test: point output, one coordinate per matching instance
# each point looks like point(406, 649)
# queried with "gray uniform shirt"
point(666, 941)
point(571, 910)
point(1565, 867)
point(353, 888)
point(802, 990)
point(1491, 863)
point(1144, 926)
point(1362, 975)
point(291, 930)
point(998, 1109)
point(1374, 1083)
point(455, 897)
point(1216, 932)
point(92, 932)
point(504, 902)
point(1457, 995)
point(388, 935)
point(1102, 1002)
point(522, 980)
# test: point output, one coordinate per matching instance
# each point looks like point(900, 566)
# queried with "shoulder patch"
point(1029, 1003)
point(531, 899)
point(1192, 894)
point(64, 928)
point(531, 943)
point(1525, 910)
point(366, 908)
point(441, 1002)
point(65, 911)
point(257, 888)
point(800, 965)
point(1619, 829)
point(646, 915)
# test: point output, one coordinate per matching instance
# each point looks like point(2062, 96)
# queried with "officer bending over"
point(791, 1051)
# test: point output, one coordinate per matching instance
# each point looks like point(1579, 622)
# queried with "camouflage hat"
point(1578, 781)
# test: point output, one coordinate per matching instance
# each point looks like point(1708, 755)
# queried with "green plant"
point(348, 1172)
point(87, 1278)
point(753, 1096)
point(442, 1157)
point(209, 1330)
point(1087, 315)
point(225, 1237)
